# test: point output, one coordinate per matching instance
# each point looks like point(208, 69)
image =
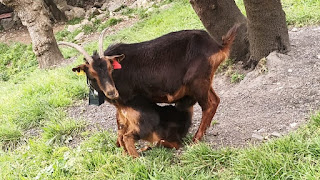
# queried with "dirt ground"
point(260, 107)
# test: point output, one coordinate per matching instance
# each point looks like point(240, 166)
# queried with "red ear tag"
point(116, 65)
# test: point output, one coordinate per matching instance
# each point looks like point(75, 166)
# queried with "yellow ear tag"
point(81, 73)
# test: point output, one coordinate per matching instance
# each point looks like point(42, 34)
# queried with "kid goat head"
point(99, 68)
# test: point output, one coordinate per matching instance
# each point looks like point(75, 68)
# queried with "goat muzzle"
point(111, 94)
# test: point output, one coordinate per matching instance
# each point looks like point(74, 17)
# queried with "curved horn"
point(79, 48)
point(101, 37)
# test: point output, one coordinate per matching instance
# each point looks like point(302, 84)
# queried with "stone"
point(215, 133)
point(289, 70)
point(318, 56)
point(257, 136)
point(275, 134)
point(93, 19)
point(79, 36)
point(2, 38)
point(72, 28)
point(86, 22)
point(150, 10)
point(7, 23)
point(294, 29)
point(78, 12)
point(97, 4)
point(62, 5)
point(69, 15)
point(92, 12)
point(262, 130)
point(166, 6)
point(101, 17)
point(104, 6)
point(293, 125)
point(114, 5)
point(142, 4)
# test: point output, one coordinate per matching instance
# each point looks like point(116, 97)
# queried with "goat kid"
point(161, 125)
point(175, 68)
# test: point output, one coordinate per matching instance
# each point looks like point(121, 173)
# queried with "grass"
point(108, 23)
point(298, 13)
point(295, 156)
point(74, 21)
point(65, 35)
point(32, 98)
point(15, 60)
point(237, 77)
point(61, 130)
point(301, 13)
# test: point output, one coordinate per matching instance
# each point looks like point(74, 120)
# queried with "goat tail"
point(228, 39)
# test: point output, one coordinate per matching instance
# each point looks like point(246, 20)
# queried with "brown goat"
point(175, 68)
point(141, 119)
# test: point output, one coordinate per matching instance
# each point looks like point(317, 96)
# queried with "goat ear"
point(82, 67)
point(119, 58)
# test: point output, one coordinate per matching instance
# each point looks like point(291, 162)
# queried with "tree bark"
point(78, 3)
point(218, 16)
point(4, 9)
point(34, 16)
point(267, 28)
point(56, 13)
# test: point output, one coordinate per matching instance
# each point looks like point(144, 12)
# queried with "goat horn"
point(79, 48)
point(102, 34)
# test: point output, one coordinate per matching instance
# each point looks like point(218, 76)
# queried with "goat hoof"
point(117, 144)
point(196, 139)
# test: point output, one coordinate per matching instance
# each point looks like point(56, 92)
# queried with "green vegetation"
point(16, 61)
point(108, 23)
point(130, 12)
point(65, 35)
point(34, 100)
point(32, 97)
point(74, 21)
point(295, 156)
point(298, 13)
point(237, 77)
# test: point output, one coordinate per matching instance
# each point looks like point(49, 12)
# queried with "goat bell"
point(95, 98)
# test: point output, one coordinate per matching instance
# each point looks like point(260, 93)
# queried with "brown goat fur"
point(175, 68)
point(141, 119)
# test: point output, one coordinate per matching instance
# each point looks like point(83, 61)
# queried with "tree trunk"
point(56, 13)
point(267, 28)
point(4, 9)
point(33, 15)
point(77, 3)
point(218, 16)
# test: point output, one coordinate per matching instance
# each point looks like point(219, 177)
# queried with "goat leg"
point(209, 108)
point(129, 142)
point(168, 144)
point(145, 148)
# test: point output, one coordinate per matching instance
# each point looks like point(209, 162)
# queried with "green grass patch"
point(295, 156)
point(16, 60)
point(237, 77)
point(108, 23)
point(74, 21)
point(10, 135)
point(61, 129)
point(298, 13)
point(31, 100)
